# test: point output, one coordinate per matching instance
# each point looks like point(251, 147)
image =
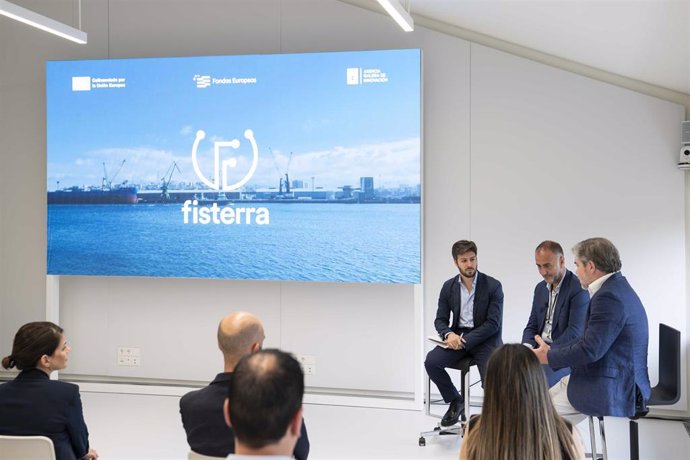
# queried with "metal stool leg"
point(634, 441)
point(466, 396)
point(428, 396)
point(458, 429)
point(603, 438)
point(592, 437)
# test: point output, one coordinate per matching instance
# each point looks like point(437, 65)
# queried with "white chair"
point(194, 456)
point(26, 448)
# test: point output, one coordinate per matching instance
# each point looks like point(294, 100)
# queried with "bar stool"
point(666, 391)
point(458, 429)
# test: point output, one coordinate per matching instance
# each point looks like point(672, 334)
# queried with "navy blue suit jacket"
point(204, 422)
point(487, 312)
point(568, 318)
point(34, 405)
point(609, 362)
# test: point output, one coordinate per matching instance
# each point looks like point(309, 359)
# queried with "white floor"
point(126, 426)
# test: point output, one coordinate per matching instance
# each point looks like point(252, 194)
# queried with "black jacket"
point(204, 423)
point(34, 405)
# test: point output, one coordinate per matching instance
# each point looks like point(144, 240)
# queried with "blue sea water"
point(375, 243)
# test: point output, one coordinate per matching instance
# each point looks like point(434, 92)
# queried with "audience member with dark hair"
point(239, 334)
point(518, 420)
point(264, 405)
point(34, 405)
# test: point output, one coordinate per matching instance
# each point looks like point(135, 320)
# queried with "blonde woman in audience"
point(518, 420)
point(33, 404)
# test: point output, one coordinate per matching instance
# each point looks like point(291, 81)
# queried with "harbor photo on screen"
point(299, 167)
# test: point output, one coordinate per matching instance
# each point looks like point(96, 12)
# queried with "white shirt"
point(548, 321)
point(595, 285)
point(467, 303)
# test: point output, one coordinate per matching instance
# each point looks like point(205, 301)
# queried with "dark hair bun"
point(8, 362)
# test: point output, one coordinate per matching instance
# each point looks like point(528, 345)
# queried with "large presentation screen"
point(273, 167)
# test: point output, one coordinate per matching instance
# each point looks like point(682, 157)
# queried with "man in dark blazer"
point(264, 405)
point(559, 305)
point(239, 334)
point(475, 302)
point(609, 362)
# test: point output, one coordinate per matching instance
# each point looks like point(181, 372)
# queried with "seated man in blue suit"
point(609, 362)
point(559, 305)
point(239, 334)
point(476, 303)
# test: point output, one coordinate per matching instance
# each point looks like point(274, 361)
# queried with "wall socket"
point(308, 363)
point(128, 356)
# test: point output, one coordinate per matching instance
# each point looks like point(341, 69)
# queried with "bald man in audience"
point(239, 334)
point(264, 405)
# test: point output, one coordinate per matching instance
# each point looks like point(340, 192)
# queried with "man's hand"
point(91, 455)
point(455, 342)
point(541, 350)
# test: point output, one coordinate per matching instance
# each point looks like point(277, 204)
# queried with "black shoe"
point(456, 409)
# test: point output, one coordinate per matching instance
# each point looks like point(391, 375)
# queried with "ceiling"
point(646, 40)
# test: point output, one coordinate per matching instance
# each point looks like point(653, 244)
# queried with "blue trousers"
point(438, 359)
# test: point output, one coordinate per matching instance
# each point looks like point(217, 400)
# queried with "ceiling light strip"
point(42, 22)
point(398, 13)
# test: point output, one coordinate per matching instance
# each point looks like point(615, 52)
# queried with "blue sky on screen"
point(299, 103)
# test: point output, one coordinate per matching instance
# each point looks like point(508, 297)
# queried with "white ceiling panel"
point(645, 40)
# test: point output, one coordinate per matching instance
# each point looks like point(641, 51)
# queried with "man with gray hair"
point(609, 362)
point(239, 334)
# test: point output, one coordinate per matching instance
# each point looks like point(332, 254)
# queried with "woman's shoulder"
point(62, 387)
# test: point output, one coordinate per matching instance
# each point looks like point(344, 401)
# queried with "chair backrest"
point(194, 456)
point(667, 391)
point(26, 448)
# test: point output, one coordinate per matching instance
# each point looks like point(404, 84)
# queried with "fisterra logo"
point(195, 213)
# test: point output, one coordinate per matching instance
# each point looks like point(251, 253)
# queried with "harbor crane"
point(287, 178)
point(107, 183)
point(285, 181)
point(165, 180)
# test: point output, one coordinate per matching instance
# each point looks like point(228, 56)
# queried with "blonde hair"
point(518, 419)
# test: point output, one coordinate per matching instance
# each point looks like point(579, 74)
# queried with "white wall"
point(514, 152)
point(560, 156)
point(174, 321)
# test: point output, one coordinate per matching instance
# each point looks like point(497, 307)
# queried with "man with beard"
point(476, 303)
point(609, 362)
point(559, 306)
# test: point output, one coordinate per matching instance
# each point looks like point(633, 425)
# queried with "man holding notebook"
point(469, 320)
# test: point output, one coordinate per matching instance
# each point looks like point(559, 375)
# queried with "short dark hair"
point(265, 393)
point(552, 246)
point(601, 252)
point(32, 341)
point(463, 246)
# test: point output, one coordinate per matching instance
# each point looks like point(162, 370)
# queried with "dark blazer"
point(34, 405)
point(204, 423)
point(487, 312)
point(609, 362)
point(568, 318)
